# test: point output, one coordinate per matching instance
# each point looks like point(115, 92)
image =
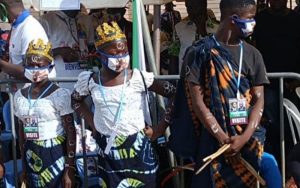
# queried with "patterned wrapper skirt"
point(44, 162)
point(131, 162)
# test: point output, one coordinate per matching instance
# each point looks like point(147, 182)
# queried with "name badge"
point(31, 128)
point(238, 113)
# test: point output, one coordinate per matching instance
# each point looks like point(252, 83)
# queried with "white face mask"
point(116, 63)
point(37, 74)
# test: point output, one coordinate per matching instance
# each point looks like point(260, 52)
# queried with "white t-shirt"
point(30, 29)
point(48, 109)
point(63, 32)
point(186, 40)
point(186, 32)
point(132, 118)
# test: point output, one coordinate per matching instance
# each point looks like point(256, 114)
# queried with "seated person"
point(269, 171)
point(293, 165)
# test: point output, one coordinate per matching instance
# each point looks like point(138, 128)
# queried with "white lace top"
point(48, 109)
point(132, 116)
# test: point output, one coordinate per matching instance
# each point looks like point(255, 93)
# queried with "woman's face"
point(118, 49)
point(36, 68)
point(36, 61)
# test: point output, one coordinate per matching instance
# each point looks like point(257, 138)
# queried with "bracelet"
point(71, 154)
point(3, 167)
point(168, 117)
point(71, 143)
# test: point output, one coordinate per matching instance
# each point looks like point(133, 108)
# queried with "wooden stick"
point(220, 151)
point(253, 172)
point(23, 185)
point(213, 156)
point(203, 166)
point(217, 153)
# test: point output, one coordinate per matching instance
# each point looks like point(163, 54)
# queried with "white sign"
point(59, 4)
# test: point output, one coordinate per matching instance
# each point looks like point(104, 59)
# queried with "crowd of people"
point(223, 104)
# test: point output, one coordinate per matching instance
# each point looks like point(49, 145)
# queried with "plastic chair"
point(6, 135)
point(294, 119)
point(298, 91)
point(9, 173)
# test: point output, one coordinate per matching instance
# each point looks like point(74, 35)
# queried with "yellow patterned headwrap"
point(40, 48)
point(107, 33)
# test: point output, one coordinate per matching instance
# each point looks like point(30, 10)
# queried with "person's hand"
point(236, 144)
point(291, 183)
point(23, 178)
point(68, 54)
point(225, 140)
point(1, 171)
point(148, 132)
point(153, 132)
point(69, 177)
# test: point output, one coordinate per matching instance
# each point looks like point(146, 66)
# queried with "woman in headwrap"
point(126, 157)
point(47, 133)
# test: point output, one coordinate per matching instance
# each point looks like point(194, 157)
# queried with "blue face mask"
point(246, 25)
point(115, 63)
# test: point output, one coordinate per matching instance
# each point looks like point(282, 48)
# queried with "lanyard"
point(31, 105)
point(238, 81)
point(118, 114)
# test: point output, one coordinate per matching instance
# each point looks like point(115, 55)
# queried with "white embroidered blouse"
point(132, 118)
point(48, 109)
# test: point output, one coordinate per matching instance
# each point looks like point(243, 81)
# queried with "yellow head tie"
point(107, 33)
point(40, 48)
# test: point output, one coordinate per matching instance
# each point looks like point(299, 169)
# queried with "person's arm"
point(80, 107)
point(257, 93)
point(163, 88)
point(16, 71)
point(204, 114)
point(68, 123)
point(166, 89)
point(68, 54)
point(254, 119)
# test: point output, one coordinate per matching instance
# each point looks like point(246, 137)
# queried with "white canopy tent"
point(93, 4)
point(96, 4)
